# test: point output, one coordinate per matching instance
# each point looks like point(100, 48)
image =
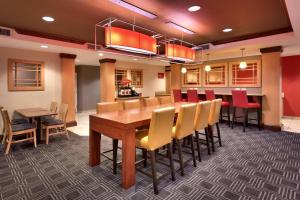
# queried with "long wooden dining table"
point(122, 126)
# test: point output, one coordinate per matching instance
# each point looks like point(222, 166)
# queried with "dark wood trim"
point(255, 35)
point(271, 49)
point(66, 55)
point(49, 36)
point(71, 123)
point(107, 60)
point(272, 128)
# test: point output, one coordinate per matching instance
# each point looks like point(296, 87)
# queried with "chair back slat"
point(63, 112)
point(53, 106)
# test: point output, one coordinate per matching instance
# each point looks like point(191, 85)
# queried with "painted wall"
point(27, 99)
point(291, 85)
point(87, 87)
point(151, 83)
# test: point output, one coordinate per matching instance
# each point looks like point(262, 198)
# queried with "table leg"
point(128, 159)
point(94, 148)
point(38, 130)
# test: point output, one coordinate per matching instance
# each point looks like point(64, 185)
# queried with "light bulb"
point(243, 65)
point(207, 68)
point(183, 70)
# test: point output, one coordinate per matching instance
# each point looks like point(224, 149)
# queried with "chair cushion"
point(22, 127)
point(19, 121)
point(253, 105)
point(53, 121)
point(45, 118)
point(142, 138)
point(225, 103)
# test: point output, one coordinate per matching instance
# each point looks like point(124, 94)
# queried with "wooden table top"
point(133, 117)
point(34, 112)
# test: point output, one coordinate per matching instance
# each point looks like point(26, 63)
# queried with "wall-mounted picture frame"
point(217, 76)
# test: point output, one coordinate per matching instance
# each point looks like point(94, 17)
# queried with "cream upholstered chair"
point(158, 135)
point(213, 119)
point(28, 129)
point(151, 101)
point(104, 108)
point(55, 126)
point(201, 122)
point(184, 128)
point(132, 104)
point(165, 100)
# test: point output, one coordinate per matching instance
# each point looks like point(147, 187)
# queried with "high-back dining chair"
point(158, 135)
point(213, 119)
point(177, 95)
point(55, 126)
point(201, 123)
point(151, 101)
point(192, 96)
point(165, 100)
point(28, 129)
point(184, 128)
point(106, 107)
point(132, 104)
point(210, 95)
point(240, 100)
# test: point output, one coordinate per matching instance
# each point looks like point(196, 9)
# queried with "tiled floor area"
point(291, 124)
point(253, 165)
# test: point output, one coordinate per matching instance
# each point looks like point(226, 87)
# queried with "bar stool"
point(210, 95)
point(213, 119)
point(165, 100)
point(184, 128)
point(132, 104)
point(240, 100)
point(200, 123)
point(192, 96)
point(177, 95)
point(151, 101)
point(104, 108)
point(158, 135)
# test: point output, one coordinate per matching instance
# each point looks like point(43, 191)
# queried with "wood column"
point(175, 77)
point(68, 86)
point(107, 80)
point(271, 87)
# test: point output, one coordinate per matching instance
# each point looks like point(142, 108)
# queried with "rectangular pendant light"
point(134, 8)
point(180, 28)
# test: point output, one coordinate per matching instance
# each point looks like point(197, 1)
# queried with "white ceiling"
point(289, 41)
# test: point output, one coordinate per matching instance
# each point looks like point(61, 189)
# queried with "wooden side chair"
point(184, 128)
point(151, 101)
point(213, 120)
point(158, 135)
point(104, 108)
point(58, 125)
point(201, 123)
point(165, 100)
point(53, 108)
point(28, 130)
point(132, 104)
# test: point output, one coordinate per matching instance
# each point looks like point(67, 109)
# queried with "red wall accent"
point(291, 85)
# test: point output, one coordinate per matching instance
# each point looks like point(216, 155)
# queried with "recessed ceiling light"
point(44, 46)
point(194, 8)
point(48, 19)
point(100, 54)
point(226, 30)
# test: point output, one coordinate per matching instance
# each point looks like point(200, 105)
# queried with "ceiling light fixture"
point(226, 30)
point(194, 8)
point(207, 67)
point(48, 19)
point(44, 46)
point(243, 64)
point(179, 52)
point(180, 28)
point(134, 8)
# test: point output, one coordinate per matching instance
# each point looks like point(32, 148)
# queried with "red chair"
point(177, 95)
point(240, 100)
point(192, 96)
point(210, 95)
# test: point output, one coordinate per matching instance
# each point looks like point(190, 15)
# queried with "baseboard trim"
point(272, 128)
point(71, 123)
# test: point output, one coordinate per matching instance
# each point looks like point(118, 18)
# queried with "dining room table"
point(36, 114)
point(121, 125)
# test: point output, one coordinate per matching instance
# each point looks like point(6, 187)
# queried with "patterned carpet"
point(252, 165)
